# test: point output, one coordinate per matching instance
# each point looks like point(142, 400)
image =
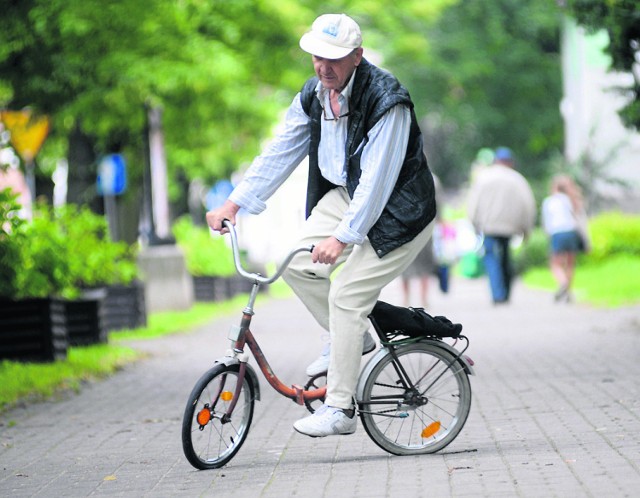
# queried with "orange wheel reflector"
point(204, 416)
point(430, 429)
point(226, 396)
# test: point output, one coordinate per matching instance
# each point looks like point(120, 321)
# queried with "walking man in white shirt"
point(370, 201)
point(501, 205)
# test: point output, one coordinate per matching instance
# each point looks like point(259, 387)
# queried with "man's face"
point(335, 73)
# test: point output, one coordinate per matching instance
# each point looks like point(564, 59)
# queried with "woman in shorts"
point(562, 219)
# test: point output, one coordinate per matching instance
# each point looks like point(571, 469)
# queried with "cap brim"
point(320, 48)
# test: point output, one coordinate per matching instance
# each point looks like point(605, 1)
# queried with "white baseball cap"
point(332, 36)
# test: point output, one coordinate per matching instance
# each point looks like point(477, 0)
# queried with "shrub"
point(94, 259)
point(34, 258)
point(59, 252)
point(534, 252)
point(614, 233)
point(11, 242)
point(46, 265)
point(205, 254)
point(611, 233)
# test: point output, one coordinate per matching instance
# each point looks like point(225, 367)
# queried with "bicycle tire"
point(212, 441)
point(403, 421)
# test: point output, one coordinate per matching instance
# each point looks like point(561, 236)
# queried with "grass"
point(610, 283)
point(41, 380)
point(169, 322)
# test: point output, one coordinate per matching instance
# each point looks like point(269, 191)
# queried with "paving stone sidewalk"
point(555, 412)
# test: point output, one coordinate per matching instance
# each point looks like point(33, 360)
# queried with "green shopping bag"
point(471, 265)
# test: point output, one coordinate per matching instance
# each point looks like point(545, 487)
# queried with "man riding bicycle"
point(370, 201)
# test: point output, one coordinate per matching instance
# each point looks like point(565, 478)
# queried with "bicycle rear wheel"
point(209, 437)
point(422, 412)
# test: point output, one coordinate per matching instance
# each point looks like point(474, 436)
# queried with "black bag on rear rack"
point(412, 322)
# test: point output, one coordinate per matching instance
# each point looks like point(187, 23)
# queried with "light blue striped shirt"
point(381, 161)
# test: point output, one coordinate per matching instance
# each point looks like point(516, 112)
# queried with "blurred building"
point(596, 140)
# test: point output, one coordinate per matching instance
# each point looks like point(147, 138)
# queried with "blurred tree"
point(621, 20)
point(488, 75)
point(481, 73)
point(93, 65)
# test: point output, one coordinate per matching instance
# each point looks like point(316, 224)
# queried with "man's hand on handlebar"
point(327, 251)
point(227, 211)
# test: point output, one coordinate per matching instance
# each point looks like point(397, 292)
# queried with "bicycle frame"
point(244, 337)
point(392, 398)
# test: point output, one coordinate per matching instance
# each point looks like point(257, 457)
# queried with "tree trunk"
point(83, 171)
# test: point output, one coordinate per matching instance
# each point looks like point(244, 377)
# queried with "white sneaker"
point(326, 421)
point(321, 363)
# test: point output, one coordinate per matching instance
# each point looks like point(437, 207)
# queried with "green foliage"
point(46, 267)
point(205, 254)
point(94, 259)
point(59, 252)
point(10, 241)
point(222, 72)
point(489, 76)
point(614, 233)
point(41, 380)
point(532, 253)
point(608, 274)
point(39, 264)
point(612, 282)
point(100, 63)
point(480, 73)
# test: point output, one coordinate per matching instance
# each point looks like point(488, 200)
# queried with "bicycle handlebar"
point(256, 276)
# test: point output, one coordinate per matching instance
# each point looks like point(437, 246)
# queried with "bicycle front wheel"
point(419, 405)
point(211, 437)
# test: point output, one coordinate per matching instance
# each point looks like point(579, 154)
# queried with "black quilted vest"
point(412, 204)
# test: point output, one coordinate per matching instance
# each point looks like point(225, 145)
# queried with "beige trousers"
point(341, 304)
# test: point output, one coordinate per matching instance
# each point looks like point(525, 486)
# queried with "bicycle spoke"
point(215, 443)
point(429, 393)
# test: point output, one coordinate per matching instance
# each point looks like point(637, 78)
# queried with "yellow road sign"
point(27, 132)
